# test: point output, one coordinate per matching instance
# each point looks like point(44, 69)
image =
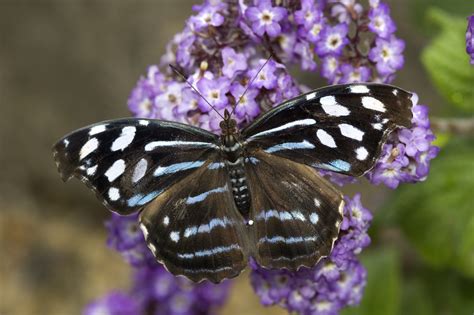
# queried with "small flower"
point(115, 303)
point(303, 50)
point(307, 15)
point(333, 39)
point(345, 10)
point(265, 18)
point(329, 67)
point(233, 62)
point(423, 162)
point(352, 74)
point(313, 34)
point(470, 38)
point(207, 17)
point(140, 101)
point(416, 139)
point(247, 108)
point(387, 53)
point(380, 21)
point(266, 77)
point(214, 91)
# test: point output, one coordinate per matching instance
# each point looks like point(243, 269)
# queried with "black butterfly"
point(210, 202)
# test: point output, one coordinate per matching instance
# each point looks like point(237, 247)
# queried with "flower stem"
point(457, 126)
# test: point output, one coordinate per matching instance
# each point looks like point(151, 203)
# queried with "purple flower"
point(352, 74)
point(423, 162)
point(303, 50)
point(313, 34)
point(329, 67)
point(266, 77)
point(416, 139)
point(208, 16)
point(470, 38)
point(114, 303)
point(214, 91)
point(141, 98)
point(265, 18)
point(233, 62)
point(380, 21)
point(247, 108)
point(387, 53)
point(345, 9)
point(333, 39)
point(308, 14)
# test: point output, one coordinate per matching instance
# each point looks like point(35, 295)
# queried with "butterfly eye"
point(222, 125)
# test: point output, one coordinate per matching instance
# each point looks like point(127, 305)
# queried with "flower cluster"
point(407, 154)
point(470, 38)
point(335, 282)
point(223, 51)
point(155, 290)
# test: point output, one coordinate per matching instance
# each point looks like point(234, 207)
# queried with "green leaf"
point(438, 216)
point(447, 62)
point(382, 293)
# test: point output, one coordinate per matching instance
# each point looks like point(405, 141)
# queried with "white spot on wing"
point(91, 170)
point(114, 194)
point(203, 196)
point(314, 218)
point(372, 103)
point(140, 170)
point(352, 132)
point(156, 144)
point(166, 220)
point(290, 146)
point(395, 92)
point(359, 89)
point(302, 122)
point(115, 170)
point(332, 108)
point(377, 126)
point(88, 148)
point(125, 138)
point(97, 129)
point(310, 96)
point(143, 122)
point(361, 153)
point(174, 236)
point(326, 138)
point(317, 203)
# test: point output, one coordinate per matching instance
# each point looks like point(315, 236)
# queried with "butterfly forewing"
point(129, 162)
point(195, 229)
point(296, 214)
point(338, 128)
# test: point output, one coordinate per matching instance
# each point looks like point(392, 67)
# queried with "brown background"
point(63, 65)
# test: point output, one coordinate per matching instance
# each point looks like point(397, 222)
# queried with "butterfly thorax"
point(233, 152)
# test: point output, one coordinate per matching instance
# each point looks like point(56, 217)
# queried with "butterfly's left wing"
point(340, 128)
point(296, 213)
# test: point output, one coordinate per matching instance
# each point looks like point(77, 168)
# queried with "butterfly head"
point(228, 125)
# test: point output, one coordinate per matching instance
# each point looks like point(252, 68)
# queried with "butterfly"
point(208, 203)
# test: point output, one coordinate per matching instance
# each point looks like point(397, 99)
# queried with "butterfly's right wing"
point(129, 162)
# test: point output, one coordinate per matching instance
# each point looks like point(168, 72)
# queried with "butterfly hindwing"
point(128, 162)
point(195, 229)
point(339, 128)
point(296, 213)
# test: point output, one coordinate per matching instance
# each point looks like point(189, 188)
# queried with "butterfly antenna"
point(195, 90)
point(250, 83)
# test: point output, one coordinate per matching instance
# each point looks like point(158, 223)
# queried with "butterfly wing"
point(339, 128)
point(296, 213)
point(195, 229)
point(129, 162)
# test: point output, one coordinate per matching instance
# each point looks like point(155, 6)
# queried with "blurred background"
point(66, 64)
